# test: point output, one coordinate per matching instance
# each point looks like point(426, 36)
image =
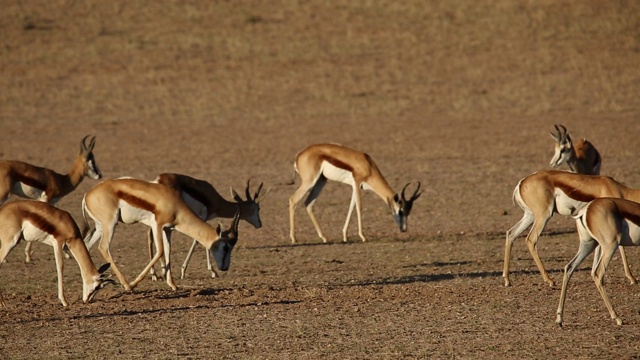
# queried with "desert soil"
point(458, 95)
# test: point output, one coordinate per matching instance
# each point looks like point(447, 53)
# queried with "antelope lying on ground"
point(38, 221)
point(131, 201)
point(544, 193)
point(604, 225)
point(582, 158)
point(203, 199)
point(33, 182)
point(318, 163)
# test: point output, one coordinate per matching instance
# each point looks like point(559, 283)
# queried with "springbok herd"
point(607, 213)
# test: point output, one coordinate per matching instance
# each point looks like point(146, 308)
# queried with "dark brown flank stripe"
point(195, 194)
point(42, 224)
point(574, 193)
point(626, 212)
point(337, 163)
point(135, 201)
point(30, 182)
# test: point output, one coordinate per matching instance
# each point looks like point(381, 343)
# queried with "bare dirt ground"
point(459, 95)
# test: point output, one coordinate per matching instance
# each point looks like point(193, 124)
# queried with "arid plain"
point(458, 95)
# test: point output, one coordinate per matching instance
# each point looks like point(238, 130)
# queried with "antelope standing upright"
point(582, 158)
point(546, 192)
point(34, 182)
point(604, 225)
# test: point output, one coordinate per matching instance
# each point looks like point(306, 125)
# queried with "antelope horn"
point(416, 193)
point(258, 192)
point(246, 191)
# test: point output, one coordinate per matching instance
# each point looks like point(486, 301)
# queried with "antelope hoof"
point(618, 321)
point(633, 281)
point(550, 282)
point(507, 282)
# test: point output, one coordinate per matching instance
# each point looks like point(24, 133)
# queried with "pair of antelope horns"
point(415, 193)
point(561, 133)
point(83, 144)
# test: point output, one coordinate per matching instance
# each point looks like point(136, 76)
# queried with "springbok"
point(203, 199)
point(546, 192)
point(582, 158)
point(604, 225)
point(130, 201)
point(31, 220)
point(321, 162)
point(33, 182)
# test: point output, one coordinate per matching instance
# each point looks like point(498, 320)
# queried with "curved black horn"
point(246, 191)
point(258, 191)
point(402, 192)
point(83, 144)
point(416, 193)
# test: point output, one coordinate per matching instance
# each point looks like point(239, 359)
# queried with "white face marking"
point(132, 215)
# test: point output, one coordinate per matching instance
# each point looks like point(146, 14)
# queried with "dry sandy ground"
point(457, 95)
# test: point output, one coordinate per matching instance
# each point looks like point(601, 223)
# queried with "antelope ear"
point(104, 268)
point(396, 198)
point(218, 229)
point(235, 196)
point(568, 138)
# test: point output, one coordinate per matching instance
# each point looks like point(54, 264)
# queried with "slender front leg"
point(188, 258)
point(152, 271)
point(4, 251)
point(212, 271)
point(166, 232)
point(27, 252)
point(158, 241)
point(104, 248)
point(352, 205)
point(358, 196)
point(57, 254)
point(625, 264)
point(512, 234)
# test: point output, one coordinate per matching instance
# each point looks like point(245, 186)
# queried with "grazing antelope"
point(38, 221)
point(582, 158)
point(203, 199)
point(603, 225)
point(318, 163)
point(33, 182)
point(131, 201)
point(546, 192)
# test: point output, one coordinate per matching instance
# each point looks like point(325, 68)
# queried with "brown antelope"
point(604, 225)
point(33, 182)
point(131, 201)
point(582, 158)
point(31, 220)
point(544, 193)
point(318, 163)
point(203, 199)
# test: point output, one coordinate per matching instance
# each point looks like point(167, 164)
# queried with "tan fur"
point(59, 229)
point(536, 195)
point(363, 171)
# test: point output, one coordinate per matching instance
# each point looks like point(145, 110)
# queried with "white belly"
point(32, 233)
point(335, 173)
point(630, 234)
point(132, 215)
point(196, 206)
point(26, 191)
point(566, 205)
